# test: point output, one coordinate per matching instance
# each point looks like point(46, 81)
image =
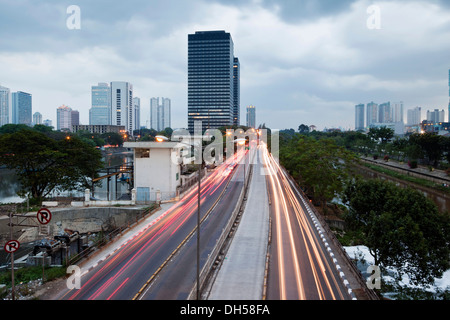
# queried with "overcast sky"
point(301, 61)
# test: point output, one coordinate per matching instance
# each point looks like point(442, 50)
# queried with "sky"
point(302, 62)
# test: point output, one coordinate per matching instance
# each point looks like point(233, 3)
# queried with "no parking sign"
point(44, 216)
point(12, 246)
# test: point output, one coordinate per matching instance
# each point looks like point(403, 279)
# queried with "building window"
point(142, 153)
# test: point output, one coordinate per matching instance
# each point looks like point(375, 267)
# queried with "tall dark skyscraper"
point(236, 92)
point(211, 84)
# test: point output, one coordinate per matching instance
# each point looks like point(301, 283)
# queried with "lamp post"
point(240, 141)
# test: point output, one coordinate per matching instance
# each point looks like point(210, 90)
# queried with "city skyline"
point(312, 61)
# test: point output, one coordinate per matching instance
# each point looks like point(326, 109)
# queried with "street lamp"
point(161, 138)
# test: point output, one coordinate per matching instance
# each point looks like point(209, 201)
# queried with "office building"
point(385, 114)
point(398, 111)
point(100, 112)
point(98, 128)
point(449, 95)
point(122, 111)
point(359, 117)
point(47, 122)
point(5, 106)
point(210, 79)
point(75, 118)
point(64, 118)
point(160, 113)
point(251, 116)
point(137, 113)
point(372, 113)
point(436, 116)
point(236, 92)
point(414, 116)
point(37, 118)
point(21, 108)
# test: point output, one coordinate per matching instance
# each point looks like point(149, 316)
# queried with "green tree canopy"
point(320, 166)
point(383, 134)
point(43, 164)
point(401, 227)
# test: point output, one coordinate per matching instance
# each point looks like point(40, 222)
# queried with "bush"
point(412, 164)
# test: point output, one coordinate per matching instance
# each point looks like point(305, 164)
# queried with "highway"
point(300, 266)
point(160, 263)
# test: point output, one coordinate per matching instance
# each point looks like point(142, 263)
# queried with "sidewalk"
point(241, 276)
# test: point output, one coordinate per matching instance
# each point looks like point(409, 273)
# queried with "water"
point(9, 184)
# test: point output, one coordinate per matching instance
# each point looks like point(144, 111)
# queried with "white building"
point(414, 116)
point(64, 118)
point(436, 116)
point(398, 111)
point(122, 113)
point(157, 172)
point(137, 113)
point(5, 106)
point(160, 114)
point(372, 113)
point(37, 118)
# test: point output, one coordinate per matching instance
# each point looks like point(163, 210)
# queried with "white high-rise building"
point(37, 118)
point(398, 112)
point(122, 113)
point(160, 117)
point(414, 116)
point(5, 106)
point(372, 113)
point(137, 113)
point(165, 117)
point(64, 118)
point(436, 116)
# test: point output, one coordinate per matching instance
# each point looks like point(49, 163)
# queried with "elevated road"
point(131, 272)
point(300, 267)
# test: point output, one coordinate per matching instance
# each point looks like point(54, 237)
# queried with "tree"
point(320, 166)
point(382, 134)
point(431, 144)
point(112, 138)
point(401, 227)
point(43, 164)
point(303, 128)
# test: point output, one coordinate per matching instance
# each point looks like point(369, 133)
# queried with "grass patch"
point(28, 274)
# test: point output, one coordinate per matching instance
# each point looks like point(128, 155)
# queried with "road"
point(130, 271)
point(300, 266)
